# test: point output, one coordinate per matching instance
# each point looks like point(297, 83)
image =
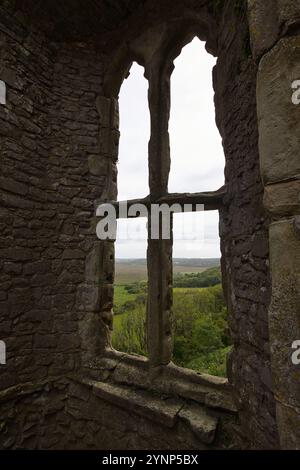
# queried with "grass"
point(187, 290)
point(122, 296)
point(201, 335)
point(213, 363)
point(118, 320)
point(200, 328)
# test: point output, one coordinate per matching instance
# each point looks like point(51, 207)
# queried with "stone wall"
point(27, 218)
point(59, 145)
point(49, 184)
point(77, 177)
point(244, 232)
point(278, 113)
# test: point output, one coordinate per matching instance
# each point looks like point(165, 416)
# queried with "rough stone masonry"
point(62, 65)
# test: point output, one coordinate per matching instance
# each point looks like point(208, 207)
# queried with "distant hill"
point(199, 262)
point(134, 270)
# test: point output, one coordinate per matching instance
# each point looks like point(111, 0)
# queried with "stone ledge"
point(134, 371)
point(165, 411)
point(202, 424)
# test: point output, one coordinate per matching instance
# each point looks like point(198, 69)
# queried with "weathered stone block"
point(103, 105)
point(283, 199)
point(100, 263)
point(73, 254)
point(88, 298)
point(284, 325)
point(279, 117)
point(263, 25)
point(94, 335)
point(288, 13)
point(202, 424)
point(13, 186)
point(67, 342)
point(115, 117)
point(115, 144)
point(105, 141)
point(45, 341)
point(98, 165)
point(107, 297)
point(41, 267)
point(13, 268)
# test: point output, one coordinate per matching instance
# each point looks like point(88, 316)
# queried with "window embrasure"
point(159, 207)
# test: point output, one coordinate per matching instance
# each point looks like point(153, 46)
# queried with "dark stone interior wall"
point(27, 219)
point(77, 182)
point(244, 232)
point(49, 135)
point(50, 178)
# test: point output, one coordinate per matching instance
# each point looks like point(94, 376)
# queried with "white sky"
point(197, 159)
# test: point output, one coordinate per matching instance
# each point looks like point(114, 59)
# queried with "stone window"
point(159, 321)
point(159, 259)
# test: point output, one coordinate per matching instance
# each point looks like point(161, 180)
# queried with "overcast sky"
point(197, 159)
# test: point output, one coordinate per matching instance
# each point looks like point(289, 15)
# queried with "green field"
point(201, 334)
point(122, 296)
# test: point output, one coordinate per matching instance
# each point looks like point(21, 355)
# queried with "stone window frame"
point(156, 52)
point(112, 373)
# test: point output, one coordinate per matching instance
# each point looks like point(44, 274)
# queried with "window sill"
point(170, 381)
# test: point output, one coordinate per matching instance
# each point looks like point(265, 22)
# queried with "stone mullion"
point(159, 309)
point(95, 296)
point(108, 110)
